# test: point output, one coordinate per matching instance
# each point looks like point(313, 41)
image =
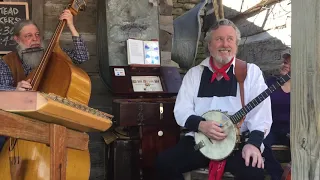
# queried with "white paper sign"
point(146, 83)
point(119, 72)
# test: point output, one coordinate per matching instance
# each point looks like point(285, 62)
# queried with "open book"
point(143, 52)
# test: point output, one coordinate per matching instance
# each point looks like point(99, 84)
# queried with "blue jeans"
point(272, 166)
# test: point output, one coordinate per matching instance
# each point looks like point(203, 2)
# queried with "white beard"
point(221, 60)
point(30, 58)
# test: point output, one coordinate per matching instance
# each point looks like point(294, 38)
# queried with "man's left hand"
point(66, 14)
point(250, 151)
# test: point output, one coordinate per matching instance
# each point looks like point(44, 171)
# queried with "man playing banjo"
point(213, 86)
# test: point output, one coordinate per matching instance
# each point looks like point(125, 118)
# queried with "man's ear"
point(209, 46)
point(16, 38)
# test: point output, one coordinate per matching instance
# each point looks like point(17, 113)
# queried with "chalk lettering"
point(5, 40)
point(9, 20)
point(10, 14)
point(7, 30)
point(8, 11)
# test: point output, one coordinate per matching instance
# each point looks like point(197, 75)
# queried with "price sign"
point(10, 14)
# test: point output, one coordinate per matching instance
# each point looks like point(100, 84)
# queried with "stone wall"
point(182, 6)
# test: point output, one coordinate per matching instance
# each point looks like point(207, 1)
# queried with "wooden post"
point(58, 150)
point(37, 7)
point(305, 90)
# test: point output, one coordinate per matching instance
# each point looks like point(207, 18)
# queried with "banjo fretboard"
point(256, 101)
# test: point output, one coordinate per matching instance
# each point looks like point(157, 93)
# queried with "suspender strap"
point(241, 74)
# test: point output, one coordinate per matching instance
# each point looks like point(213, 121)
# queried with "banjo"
point(218, 150)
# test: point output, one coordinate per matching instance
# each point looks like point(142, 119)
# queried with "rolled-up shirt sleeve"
point(80, 52)
point(184, 107)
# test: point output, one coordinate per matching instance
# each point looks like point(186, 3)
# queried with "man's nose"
point(35, 38)
point(225, 43)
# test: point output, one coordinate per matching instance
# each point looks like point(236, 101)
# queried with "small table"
point(58, 137)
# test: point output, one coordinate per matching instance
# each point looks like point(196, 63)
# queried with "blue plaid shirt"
point(78, 55)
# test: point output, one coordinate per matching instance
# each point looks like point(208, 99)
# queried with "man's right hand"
point(24, 85)
point(212, 130)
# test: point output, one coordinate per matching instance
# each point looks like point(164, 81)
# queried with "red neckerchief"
point(221, 71)
point(216, 169)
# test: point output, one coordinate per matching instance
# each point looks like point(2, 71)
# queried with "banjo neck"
point(261, 97)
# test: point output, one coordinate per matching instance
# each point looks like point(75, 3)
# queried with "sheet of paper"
point(135, 51)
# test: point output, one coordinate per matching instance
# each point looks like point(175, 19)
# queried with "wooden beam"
point(21, 127)
point(305, 90)
point(255, 9)
point(218, 9)
point(37, 14)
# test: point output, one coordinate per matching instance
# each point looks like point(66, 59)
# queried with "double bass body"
point(63, 78)
point(35, 162)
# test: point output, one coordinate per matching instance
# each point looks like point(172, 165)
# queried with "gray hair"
point(19, 25)
point(215, 26)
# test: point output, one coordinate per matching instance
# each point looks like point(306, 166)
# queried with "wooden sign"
point(10, 14)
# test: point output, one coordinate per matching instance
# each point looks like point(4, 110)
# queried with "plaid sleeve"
point(6, 79)
point(80, 52)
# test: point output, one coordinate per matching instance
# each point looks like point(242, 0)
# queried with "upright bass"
point(58, 75)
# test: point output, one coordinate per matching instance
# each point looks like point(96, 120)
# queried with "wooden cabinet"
point(151, 128)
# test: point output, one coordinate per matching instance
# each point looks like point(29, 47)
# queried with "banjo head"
point(217, 150)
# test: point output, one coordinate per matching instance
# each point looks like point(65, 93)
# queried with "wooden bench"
point(281, 152)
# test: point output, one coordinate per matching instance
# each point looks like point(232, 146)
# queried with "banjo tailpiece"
point(199, 145)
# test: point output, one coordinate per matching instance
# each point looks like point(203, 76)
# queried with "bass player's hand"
point(250, 151)
point(66, 14)
point(24, 85)
point(212, 130)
